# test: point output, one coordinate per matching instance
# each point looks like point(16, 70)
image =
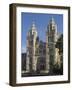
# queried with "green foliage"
point(59, 44)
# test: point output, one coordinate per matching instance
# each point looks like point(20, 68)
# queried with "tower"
point(47, 55)
point(51, 40)
point(31, 42)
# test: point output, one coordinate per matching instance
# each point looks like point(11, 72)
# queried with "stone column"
point(27, 56)
point(33, 57)
point(34, 61)
point(47, 61)
point(47, 55)
point(33, 64)
point(27, 63)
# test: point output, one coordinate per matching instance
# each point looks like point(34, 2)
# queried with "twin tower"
point(42, 56)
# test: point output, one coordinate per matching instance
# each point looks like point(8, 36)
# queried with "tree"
point(59, 44)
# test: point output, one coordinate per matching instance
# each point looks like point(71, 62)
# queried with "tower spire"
point(52, 21)
point(33, 27)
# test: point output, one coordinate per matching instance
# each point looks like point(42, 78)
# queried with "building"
point(41, 57)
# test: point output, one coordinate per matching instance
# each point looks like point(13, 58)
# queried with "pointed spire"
point(52, 25)
point(52, 21)
point(33, 27)
point(33, 23)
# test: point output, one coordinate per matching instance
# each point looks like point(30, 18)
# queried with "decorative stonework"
point(43, 54)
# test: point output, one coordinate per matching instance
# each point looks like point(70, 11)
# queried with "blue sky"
point(41, 21)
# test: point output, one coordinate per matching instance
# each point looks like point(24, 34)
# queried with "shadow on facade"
point(40, 66)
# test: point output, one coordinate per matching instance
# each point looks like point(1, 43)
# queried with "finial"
point(52, 20)
point(33, 24)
